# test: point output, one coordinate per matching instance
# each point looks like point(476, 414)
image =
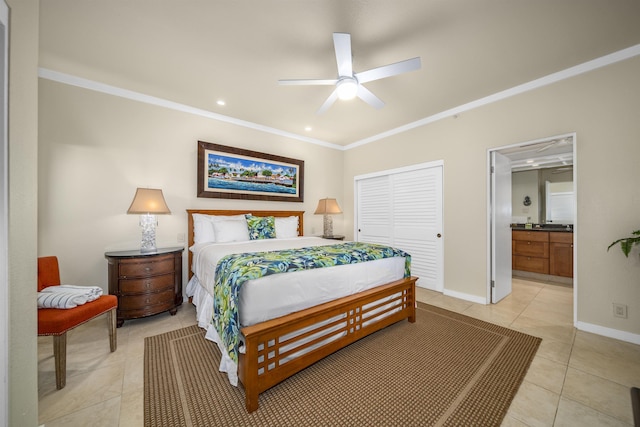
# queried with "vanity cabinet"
point(561, 254)
point(531, 251)
point(544, 252)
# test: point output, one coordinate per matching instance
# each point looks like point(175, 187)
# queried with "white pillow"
point(203, 230)
point(231, 231)
point(286, 227)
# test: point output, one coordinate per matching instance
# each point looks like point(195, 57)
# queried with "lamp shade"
point(148, 201)
point(327, 207)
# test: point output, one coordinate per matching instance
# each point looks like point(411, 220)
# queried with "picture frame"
point(234, 173)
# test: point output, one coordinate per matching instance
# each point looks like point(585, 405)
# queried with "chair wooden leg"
point(60, 356)
point(113, 338)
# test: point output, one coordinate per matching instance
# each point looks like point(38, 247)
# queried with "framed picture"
point(233, 173)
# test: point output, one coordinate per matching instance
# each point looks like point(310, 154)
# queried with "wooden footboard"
point(278, 348)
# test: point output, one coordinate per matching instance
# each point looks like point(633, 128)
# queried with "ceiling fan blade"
point(307, 82)
point(389, 70)
point(328, 103)
point(546, 147)
point(367, 96)
point(342, 45)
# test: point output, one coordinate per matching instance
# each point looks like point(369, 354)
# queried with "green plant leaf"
point(627, 243)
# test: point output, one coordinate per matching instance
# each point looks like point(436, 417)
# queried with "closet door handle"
point(439, 235)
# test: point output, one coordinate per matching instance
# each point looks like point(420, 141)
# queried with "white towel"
point(60, 299)
point(91, 293)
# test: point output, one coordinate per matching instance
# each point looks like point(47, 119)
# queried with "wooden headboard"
point(190, 213)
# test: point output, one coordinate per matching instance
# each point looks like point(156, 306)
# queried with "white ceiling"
point(547, 153)
point(195, 52)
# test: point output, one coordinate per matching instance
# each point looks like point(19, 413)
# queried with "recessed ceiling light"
point(529, 161)
point(220, 102)
point(308, 128)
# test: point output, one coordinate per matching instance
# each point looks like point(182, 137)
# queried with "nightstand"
point(146, 283)
point(334, 237)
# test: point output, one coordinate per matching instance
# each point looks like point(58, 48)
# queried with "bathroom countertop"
point(543, 227)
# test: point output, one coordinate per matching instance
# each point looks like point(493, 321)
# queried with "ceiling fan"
point(553, 143)
point(349, 84)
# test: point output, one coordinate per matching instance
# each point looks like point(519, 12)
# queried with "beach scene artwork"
point(245, 174)
point(235, 173)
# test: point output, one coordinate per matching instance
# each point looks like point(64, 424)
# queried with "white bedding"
point(280, 294)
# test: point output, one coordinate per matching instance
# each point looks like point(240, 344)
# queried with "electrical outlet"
point(619, 310)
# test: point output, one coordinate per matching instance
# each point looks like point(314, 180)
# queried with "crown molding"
point(585, 67)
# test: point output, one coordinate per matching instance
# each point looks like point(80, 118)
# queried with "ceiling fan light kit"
point(347, 88)
point(348, 85)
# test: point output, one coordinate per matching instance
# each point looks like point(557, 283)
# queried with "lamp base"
point(327, 226)
point(148, 223)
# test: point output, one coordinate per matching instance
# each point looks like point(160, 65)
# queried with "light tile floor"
point(576, 378)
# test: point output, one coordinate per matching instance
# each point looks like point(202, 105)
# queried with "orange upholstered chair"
point(57, 322)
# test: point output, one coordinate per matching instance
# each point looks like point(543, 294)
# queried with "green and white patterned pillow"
point(261, 227)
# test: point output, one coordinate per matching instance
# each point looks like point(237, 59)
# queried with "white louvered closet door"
point(374, 210)
point(404, 209)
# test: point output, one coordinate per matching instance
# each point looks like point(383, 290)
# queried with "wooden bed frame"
point(279, 348)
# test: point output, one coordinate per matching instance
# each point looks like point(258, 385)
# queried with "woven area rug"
point(446, 369)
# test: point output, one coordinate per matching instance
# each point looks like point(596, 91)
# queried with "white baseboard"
point(466, 297)
point(609, 332)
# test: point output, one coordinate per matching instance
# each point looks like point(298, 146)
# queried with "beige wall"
point(23, 123)
point(602, 107)
point(95, 149)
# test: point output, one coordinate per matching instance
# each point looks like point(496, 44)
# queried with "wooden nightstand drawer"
point(149, 284)
point(155, 300)
point(145, 283)
point(145, 268)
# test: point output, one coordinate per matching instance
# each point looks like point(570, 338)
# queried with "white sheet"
point(280, 294)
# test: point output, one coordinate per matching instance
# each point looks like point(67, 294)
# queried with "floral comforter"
point(234, 270)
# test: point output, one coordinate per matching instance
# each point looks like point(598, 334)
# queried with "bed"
point(276, 348)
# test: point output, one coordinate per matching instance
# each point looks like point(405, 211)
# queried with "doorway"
point(545, 158)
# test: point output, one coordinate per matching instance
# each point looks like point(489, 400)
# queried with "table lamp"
point(148, 202)
point(327, 207)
